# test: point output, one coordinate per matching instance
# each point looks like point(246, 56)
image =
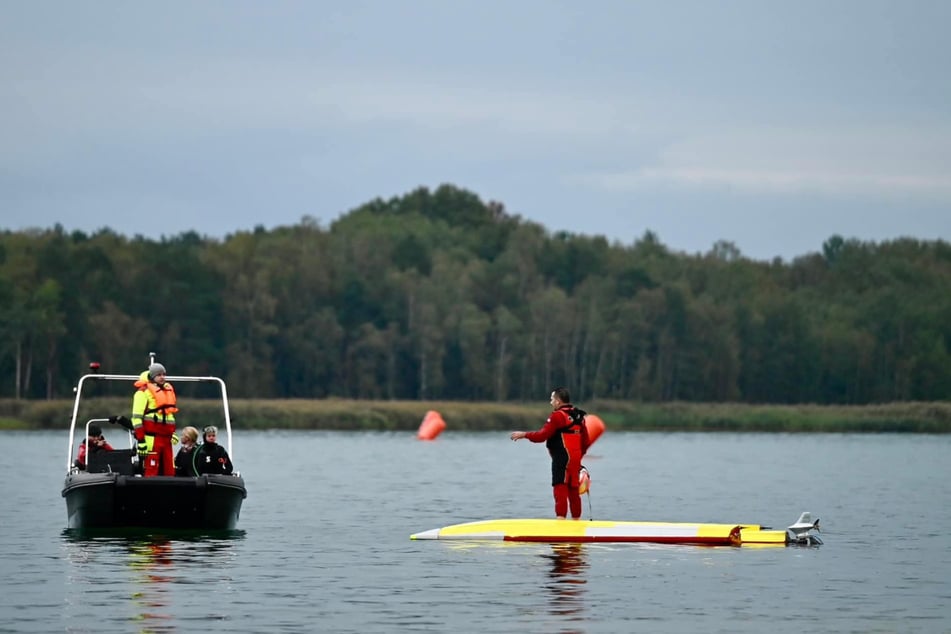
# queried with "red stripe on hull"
point(733, 539)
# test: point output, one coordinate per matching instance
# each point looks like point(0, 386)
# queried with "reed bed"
point(345, 414)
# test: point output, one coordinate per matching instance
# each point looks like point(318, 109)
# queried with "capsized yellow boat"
point(803, 532)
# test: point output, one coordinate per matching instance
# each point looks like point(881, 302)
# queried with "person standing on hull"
point(566, 437)
point(153, 421)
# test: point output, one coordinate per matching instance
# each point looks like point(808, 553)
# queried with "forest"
point(437, 295)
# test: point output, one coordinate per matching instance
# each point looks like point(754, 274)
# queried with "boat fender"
point(584, 481)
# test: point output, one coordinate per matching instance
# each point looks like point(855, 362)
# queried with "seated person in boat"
point(210, 457)
point(96, 443)
point(185, 458)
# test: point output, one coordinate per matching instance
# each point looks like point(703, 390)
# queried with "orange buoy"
point(432, 426)
point(595, 427)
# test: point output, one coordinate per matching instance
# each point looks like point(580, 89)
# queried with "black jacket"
point(185, 463)
point(210, 457)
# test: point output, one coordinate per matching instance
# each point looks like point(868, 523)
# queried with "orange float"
point(432, 426)
point(584, 481)
point(595, 427)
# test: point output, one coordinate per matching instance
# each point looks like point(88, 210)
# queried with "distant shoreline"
point(345, 414)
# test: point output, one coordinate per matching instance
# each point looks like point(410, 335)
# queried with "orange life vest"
point(161, 402)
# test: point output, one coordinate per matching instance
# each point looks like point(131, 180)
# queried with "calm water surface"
point(324, 541)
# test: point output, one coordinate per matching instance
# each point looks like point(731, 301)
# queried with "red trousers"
point(160, 460)
point(566, 496)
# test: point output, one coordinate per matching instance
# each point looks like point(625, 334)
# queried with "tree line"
point(439, 295)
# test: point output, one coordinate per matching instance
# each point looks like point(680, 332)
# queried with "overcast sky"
point(773, 125)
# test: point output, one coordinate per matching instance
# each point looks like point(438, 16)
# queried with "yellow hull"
point(579, 531)
point(753, 534)
point(549, 530)
point(803, 532)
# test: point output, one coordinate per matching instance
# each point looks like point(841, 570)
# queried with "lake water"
point(324, 542)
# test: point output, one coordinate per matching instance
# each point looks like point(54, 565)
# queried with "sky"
point(772, 125)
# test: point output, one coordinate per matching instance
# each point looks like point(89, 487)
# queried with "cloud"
point(776, 181)
point(869, 161)
point(136, 98)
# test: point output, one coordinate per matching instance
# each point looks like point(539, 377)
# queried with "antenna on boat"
point(151, 358)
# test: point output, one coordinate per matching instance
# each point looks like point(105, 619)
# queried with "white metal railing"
point(133, 378)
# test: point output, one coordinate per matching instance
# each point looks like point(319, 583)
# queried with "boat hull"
point(111, 500)
point(550, 530)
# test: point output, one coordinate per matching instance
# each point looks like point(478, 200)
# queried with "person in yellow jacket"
point(153, 421)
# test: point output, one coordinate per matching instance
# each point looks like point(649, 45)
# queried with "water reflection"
point(569, 564)
point(153, 560)
point(146, 574)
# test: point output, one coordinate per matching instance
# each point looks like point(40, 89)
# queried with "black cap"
point(95, 431)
